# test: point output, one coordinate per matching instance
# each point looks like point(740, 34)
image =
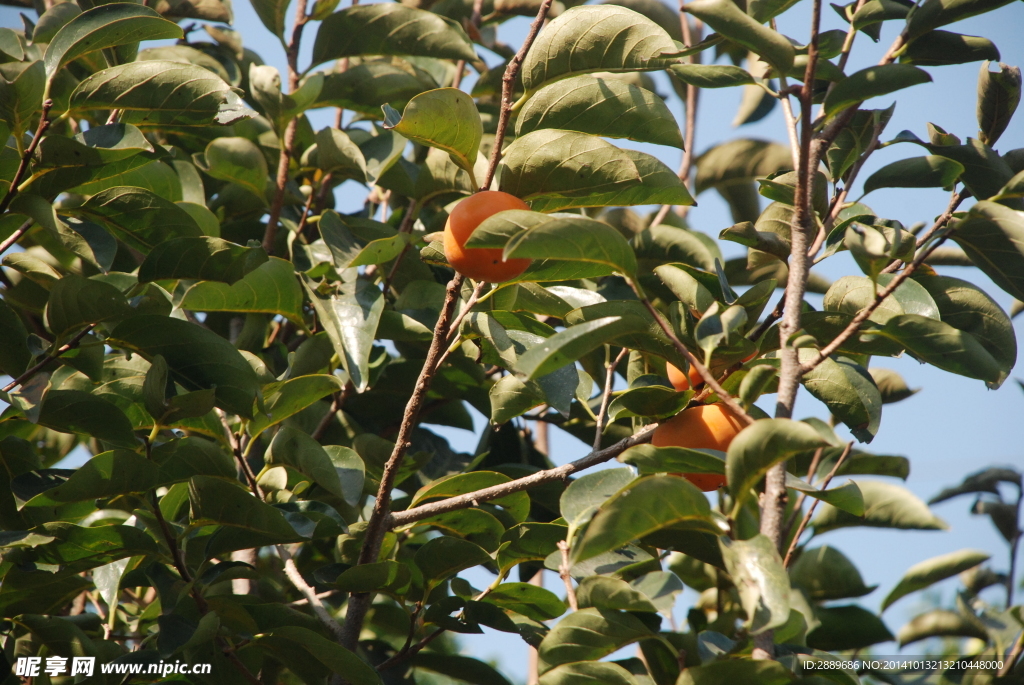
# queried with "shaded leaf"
point(872, 82)
point(203, 258)
point(733, 23)
point(445, 118)
point(885, 506)
point(761, 445)
point(916, 172)
point(931, 571)
point(270, 288)
point(756, 568)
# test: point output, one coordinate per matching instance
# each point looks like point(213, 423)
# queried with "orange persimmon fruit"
point(480, 263)
point(683, 381)
point(709, 426)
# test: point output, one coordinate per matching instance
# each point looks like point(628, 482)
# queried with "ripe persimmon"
point(480, 263)
point(709, 427)
point(683, 381)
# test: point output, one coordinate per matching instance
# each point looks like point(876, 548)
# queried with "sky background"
point(954, 426)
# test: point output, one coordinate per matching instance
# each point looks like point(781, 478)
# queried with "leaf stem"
point(609, 379)
point(507, 84)
point(564, 572)
point(14, 188)
point(810, 510)
point(863, 314)
point(48, 359)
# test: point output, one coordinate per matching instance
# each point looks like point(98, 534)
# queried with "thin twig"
point(472, 499)
point(411, 652)
point(602, 413)
point(376, 526)
point(880, 296)
point(810, 511)
point(16, 236)
point(705, 373)
point(405, 227)
point(288, 139)
point(801, 497)
point(508, 82)
point(564, 571)
point(13, 189)
point(49, 359)
point(337, 402)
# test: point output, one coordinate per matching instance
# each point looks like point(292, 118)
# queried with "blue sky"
point(952, 427)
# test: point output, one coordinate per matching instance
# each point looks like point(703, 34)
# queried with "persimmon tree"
point(253, 372)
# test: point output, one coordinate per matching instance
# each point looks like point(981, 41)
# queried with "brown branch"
point(508, 82)
point(810, 511)
point(44, 125)
point(16, 236)
point(288, 139)
point(602, 412)
point(564, 572)
point(49, 359)
point(705, 373)
point(402, 518)
point(337, 402)
point(359, 603)
point(802, 497)
point(409, 653)
point(863, 314)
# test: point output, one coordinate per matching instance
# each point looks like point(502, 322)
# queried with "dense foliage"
point(253, 372)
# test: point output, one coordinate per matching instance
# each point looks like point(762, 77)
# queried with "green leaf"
point(604, 592)
point(336, 658)
point(846, 627)
point(850, 294)
point(105, 26)
point(584, 495)
point(645, 506)
point(891, 385)
point(335, 153)
point(445, 556)
point(365, 86)
point(736, 25)
point(574, 239)
point(104, 476)
point(917, 172)
point(601, 107)
point(760, 446)
point(885, 506)
point(648, 396)
point(729, 671)
point(940, 623)
point(272, 14)
point(203, 259)
point(649, 459)
point(76, 411)
point(21, 95)
point(14, 351)
point(270, 288)
point(711, 75)
point(756, 568)
point(998, 97)
point(445, 118)
point(968, 308)
point(562, 169)
point(872, 82)
point(359, 243)
point(740, 161)
point(849, 392)
point(589, 635)
point(596, 38)
point(219, 502)
point(139, 217)
point(825, 573)
point(941, 48)
point(350, 316)
point(718, 328)
point(529, 600)
point(75, 301)
point(931, 571)
point(155, 93)
point(588, 673)
point(198, 358)
point(292, 396)
point(462, 668)
point(235, 160)
point(567, 346)
point(945, 347)
point(846, 497)
point(390, 29)
point(992, 235)
point(378, 576)
point(935, 13)
point(987, 480)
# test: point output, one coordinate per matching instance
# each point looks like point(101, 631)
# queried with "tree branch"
point(863, 314)
point(602, 412)
point(359, 603)
point(472, 499)
point(49, 359)
point(810, 511)
point(288, 139)
point(16, 236)
point(13, 189)
point(508, 82)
